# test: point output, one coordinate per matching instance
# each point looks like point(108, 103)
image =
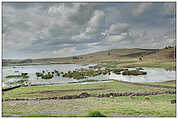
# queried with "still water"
point(153, 74)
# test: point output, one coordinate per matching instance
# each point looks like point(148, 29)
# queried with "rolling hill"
point(105, 56)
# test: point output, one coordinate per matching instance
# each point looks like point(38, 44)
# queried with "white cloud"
point(116, 38)
point(47, 30)
point(96, 22)
point(141, 8)
point(168, 9)
point(93, 28)
point(119, 28)
point(64, 51)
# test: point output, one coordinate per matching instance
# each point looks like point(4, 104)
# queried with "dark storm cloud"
point(37, 30)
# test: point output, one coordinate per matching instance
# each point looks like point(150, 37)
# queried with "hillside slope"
point(110, 55)
point(114, 55)
point(166, 53)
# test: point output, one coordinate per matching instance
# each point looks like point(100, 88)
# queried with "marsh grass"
point(17, 76)
point(22, 75)
point(134, 72)
point(18, 82)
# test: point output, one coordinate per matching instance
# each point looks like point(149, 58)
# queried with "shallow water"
point(31, 70)
point(153, 74)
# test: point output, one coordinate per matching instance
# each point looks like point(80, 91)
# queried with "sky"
point(49, 30)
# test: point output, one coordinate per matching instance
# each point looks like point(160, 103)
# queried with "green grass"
point(96, 114)
point(113, 86)
point(157, 106)
point(17, 76)
point(167, 64)
point(5, 87)
point(166, 83)
point(90, 114)
point(18, 82)
point(14, 76)
point(90, 81)
point(54, 115)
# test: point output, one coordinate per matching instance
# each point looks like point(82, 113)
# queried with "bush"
point(118, 71)
point(96, 114)
point(23, 75)
point(13, 76)
point(134, 72)
point(82, 74)
point(39, 74)
point(47, 76)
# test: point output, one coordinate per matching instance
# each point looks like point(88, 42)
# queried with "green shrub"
point(39, 74)
point(57, 73)
point(96, 114)
point(118, 71)
point(23, 75)
point(13, 76)
point(47, 76)
point(134, 72)
point(81, 74)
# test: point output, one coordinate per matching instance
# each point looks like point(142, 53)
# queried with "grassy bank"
point(169, 65)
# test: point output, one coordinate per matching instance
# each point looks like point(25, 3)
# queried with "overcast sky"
point(40, 30)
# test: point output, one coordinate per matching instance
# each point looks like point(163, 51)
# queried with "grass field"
point(166, 83)
point(157, 105)
point(70, 89)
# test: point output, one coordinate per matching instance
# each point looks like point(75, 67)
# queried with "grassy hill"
point(118, 57)
point(168, 53)
point(98, 57)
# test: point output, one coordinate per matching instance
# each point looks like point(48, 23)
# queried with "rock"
point(139, 68)
point(173, 101)
point(84, 95)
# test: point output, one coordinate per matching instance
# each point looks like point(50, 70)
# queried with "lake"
point(153, 74)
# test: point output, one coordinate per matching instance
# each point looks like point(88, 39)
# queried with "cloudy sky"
point(40, 30)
